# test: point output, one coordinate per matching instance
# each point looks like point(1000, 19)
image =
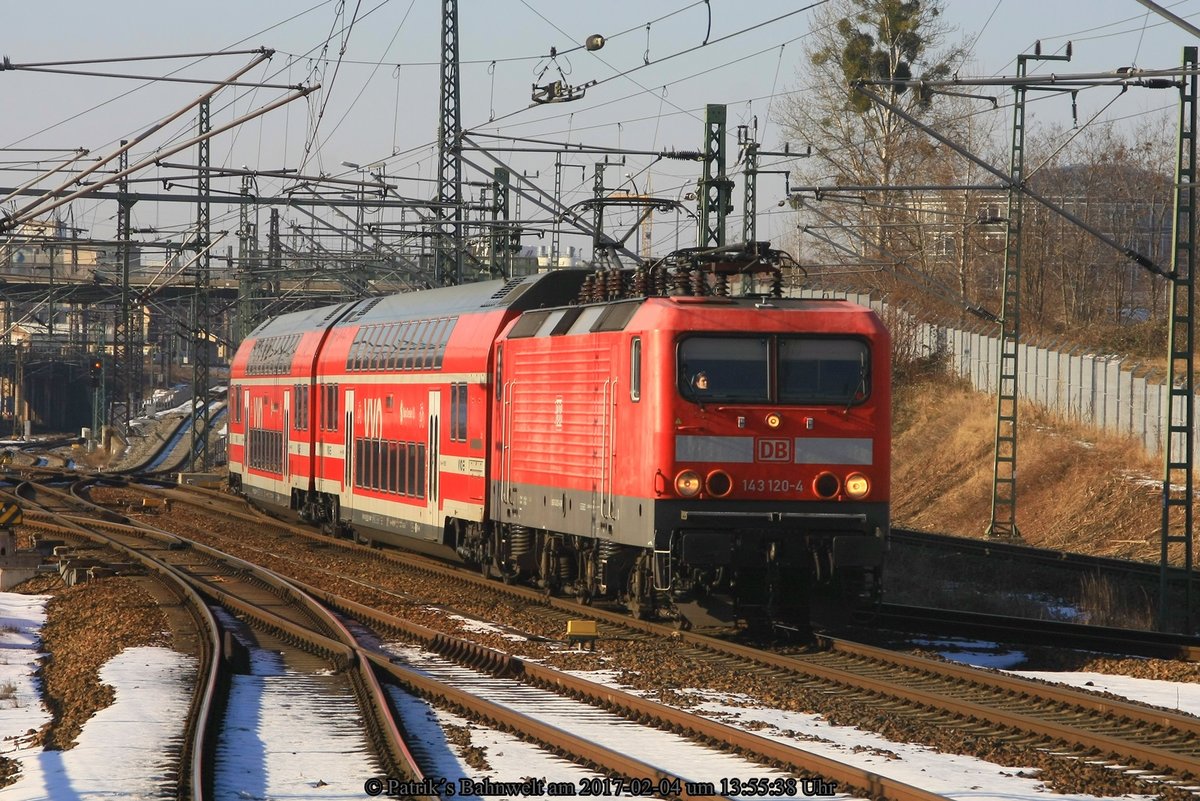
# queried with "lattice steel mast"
point(1179, 450)
point(715, 187)
point(201, 354)
point(449, 244)
point(1004, 464)
point(125, 354)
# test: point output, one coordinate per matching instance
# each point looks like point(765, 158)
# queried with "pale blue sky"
point(373, 110)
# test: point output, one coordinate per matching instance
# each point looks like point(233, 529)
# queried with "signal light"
point(95, 371)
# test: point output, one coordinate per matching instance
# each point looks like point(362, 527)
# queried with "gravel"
point(123, 614)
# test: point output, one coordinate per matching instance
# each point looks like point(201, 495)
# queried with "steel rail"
point(349, 653)
point(1067, 697)
point(504, 665)
point(199, 742)
point(1031, 553)
point(340, 648)
point(1134, 642)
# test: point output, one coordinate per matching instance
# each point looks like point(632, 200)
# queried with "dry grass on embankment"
point(1078, 489)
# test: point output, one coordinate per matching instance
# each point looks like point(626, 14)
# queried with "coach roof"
point(555, 288)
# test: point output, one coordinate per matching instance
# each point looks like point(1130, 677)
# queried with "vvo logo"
point(773, 450)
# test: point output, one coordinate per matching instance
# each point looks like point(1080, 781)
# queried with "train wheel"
point(585, 585)
point(641, 595)
point(332, 511)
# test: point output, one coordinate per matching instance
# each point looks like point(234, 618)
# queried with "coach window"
point(377, 352)
point(443, 341)
point(411, 482)
point(330, 406)
point(389, 361)
point(368, 347)
point(402, 468)
point(404, 345)
point(433, 340)
point(420, 470)
point(458, 412)
point(379, 349)
point(635, 369)
point(358, 463)
point(376, 464)
point(390, 465)
point(431, 344)
point(352, 357)
point(236, 403)
point(417, 346)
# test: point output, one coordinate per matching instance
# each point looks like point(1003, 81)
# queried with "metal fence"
point(1118, 395)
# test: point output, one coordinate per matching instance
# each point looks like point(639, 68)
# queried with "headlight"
point(857, 485)
point(774, 420)
point(826, 485)
point(718, 483)
point(688, 483)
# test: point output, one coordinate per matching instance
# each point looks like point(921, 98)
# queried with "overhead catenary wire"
point(626, 73)
point(771, 95)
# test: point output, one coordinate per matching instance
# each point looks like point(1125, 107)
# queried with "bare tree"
point(1119, 182)
point(858, 142)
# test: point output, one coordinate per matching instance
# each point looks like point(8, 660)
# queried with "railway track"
point(1027, 631)
point(1066, 725)
point(985, 549)
point(296, 626)
point(257, 594)
point(624, 705)
point(194, 774)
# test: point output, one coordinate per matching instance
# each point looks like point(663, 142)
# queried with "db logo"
point(774, 450)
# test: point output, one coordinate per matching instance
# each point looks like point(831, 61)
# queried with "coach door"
point(348, 450)
point(433, 468)
point(246, 424)
point(286, 467)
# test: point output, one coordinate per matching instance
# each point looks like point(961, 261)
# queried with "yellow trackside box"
point(10, 515)
point(580, 632)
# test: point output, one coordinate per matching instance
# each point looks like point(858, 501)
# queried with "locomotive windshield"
point(774, 369)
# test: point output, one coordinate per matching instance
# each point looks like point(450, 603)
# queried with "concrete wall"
point(1110, 393)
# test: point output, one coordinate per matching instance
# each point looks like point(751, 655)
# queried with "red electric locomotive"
point(724, 456)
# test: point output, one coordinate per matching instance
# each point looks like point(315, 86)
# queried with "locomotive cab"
point(725, 457)
point(780, 469)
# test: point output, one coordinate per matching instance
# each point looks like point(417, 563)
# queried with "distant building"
point(47, 249)
point(570, 258)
